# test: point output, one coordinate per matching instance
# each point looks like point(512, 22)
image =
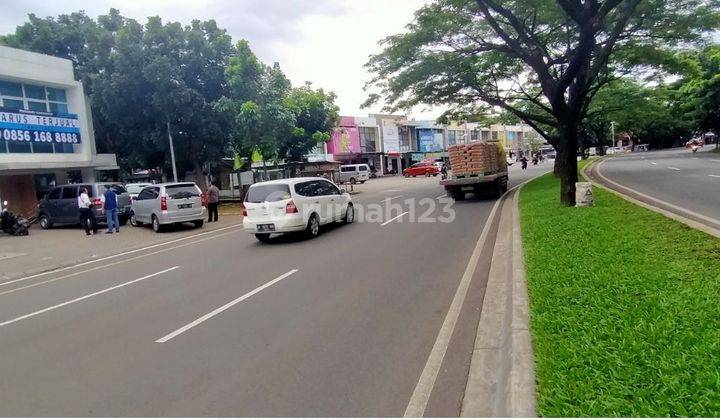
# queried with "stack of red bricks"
point(474, 158)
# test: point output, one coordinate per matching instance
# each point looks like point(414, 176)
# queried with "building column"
point(88, 174)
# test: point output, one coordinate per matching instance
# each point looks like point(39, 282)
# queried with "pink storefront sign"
point(344, 140)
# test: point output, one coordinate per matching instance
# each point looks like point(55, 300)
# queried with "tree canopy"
point(541, 60)
point(218, 97)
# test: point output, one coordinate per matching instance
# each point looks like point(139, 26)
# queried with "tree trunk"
point(198, 174)
point(566, 163)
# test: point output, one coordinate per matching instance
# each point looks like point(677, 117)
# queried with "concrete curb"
point(671, 211)
point(501, 381)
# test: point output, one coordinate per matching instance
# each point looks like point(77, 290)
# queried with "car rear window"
point(135, 189)
point(182, 191)
point(270, 192)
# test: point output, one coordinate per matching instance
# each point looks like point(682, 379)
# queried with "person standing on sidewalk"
point(213, 198)
point(111, 209)
point(87, 217)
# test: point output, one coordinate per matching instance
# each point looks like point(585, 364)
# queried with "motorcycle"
point(373, 173)
point(12, 224)
point(695, 148)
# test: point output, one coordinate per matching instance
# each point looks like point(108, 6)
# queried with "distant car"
point(354, 173)
point(171, 203)
point(134, 189)
point(421, 168)
point(295, 205)
point(60, 205)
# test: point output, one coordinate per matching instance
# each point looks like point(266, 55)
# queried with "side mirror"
point(343, 191)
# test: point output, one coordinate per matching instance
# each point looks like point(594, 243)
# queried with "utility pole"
point(612, 132)
point(172, 153)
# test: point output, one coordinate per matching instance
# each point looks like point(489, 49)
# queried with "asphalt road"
point(221, 325)
point(677, 176)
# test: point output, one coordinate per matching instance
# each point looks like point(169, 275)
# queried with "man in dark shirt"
point(111, 209)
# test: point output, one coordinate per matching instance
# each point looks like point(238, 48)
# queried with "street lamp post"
point(172, 153)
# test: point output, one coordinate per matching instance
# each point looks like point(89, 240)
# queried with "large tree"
point(554, 55)
point(315, 116)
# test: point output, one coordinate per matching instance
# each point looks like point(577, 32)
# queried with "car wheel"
point(263, 237)
point(457, 195)
point(352, 180)
point(406, 175)
point(427, 174)
point(362, 182)
point(123, 221)
point(313, 227)
point(134, 221)
point(157, 227)
point(198, 223)
point(435, 174)
point(45, 222)
point(349, 214)
point(414, 176)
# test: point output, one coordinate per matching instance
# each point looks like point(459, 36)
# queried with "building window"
point(404, 133)
point(494, 135)
point(368, 138)
point(486, 135)
point(17, 96)
point(452, 137)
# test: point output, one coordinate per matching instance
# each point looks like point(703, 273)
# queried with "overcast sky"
point(322, 41)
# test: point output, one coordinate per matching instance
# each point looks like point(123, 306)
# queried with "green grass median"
point(625, 308)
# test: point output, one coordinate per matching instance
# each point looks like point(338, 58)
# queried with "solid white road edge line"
point(58, 270)
point(224, 307)
point(69, 302)
point(673, 168)
point(714, 176)
point(423, 389)
point(110, 264)
point(394, 218)
point(653, 199)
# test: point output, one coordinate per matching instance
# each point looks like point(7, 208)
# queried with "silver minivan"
point(164, 204)
point(354, 173)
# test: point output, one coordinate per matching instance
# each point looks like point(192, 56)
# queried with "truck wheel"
point(498, 189)
point(457, 195)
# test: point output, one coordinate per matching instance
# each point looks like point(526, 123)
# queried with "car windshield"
point(268, 192)
point(182, 191)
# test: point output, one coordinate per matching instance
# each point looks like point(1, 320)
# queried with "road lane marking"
point(673, 168)
point(58, 270)
point(423, 389)
point(394, 218)
point(224, 307)
point(387, 191)
point(653, 163)
point(441, 196)
point(714, 160)
point(76, 300)
point(714, 176)
point(695, 158)
point(392, 198)
point(108, 264)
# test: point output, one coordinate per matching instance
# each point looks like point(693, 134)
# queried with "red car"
point(421, 168)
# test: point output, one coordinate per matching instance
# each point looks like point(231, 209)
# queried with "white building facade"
point(46, 130)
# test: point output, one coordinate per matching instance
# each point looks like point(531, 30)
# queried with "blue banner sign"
point(39, 127)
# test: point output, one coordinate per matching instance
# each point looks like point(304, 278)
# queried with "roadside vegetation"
point(624, 308)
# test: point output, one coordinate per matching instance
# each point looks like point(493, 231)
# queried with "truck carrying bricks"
point(477, 167)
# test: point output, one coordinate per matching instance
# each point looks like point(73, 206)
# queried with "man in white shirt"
point(87, 217)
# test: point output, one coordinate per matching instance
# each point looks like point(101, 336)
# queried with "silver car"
point(164, 204)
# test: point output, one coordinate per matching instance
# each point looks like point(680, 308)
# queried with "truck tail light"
point(163, 203)
point(290, 207)
point(245, 212)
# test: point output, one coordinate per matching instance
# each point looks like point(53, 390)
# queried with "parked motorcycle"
point(373, 172)
point(12, 224)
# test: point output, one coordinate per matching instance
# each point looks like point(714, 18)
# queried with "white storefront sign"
point(390, 136)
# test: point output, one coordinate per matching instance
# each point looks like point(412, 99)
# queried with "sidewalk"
point(501, 381)
point(45, 250)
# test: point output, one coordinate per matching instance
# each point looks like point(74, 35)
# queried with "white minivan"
point(294, 205)
point(354, 173)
